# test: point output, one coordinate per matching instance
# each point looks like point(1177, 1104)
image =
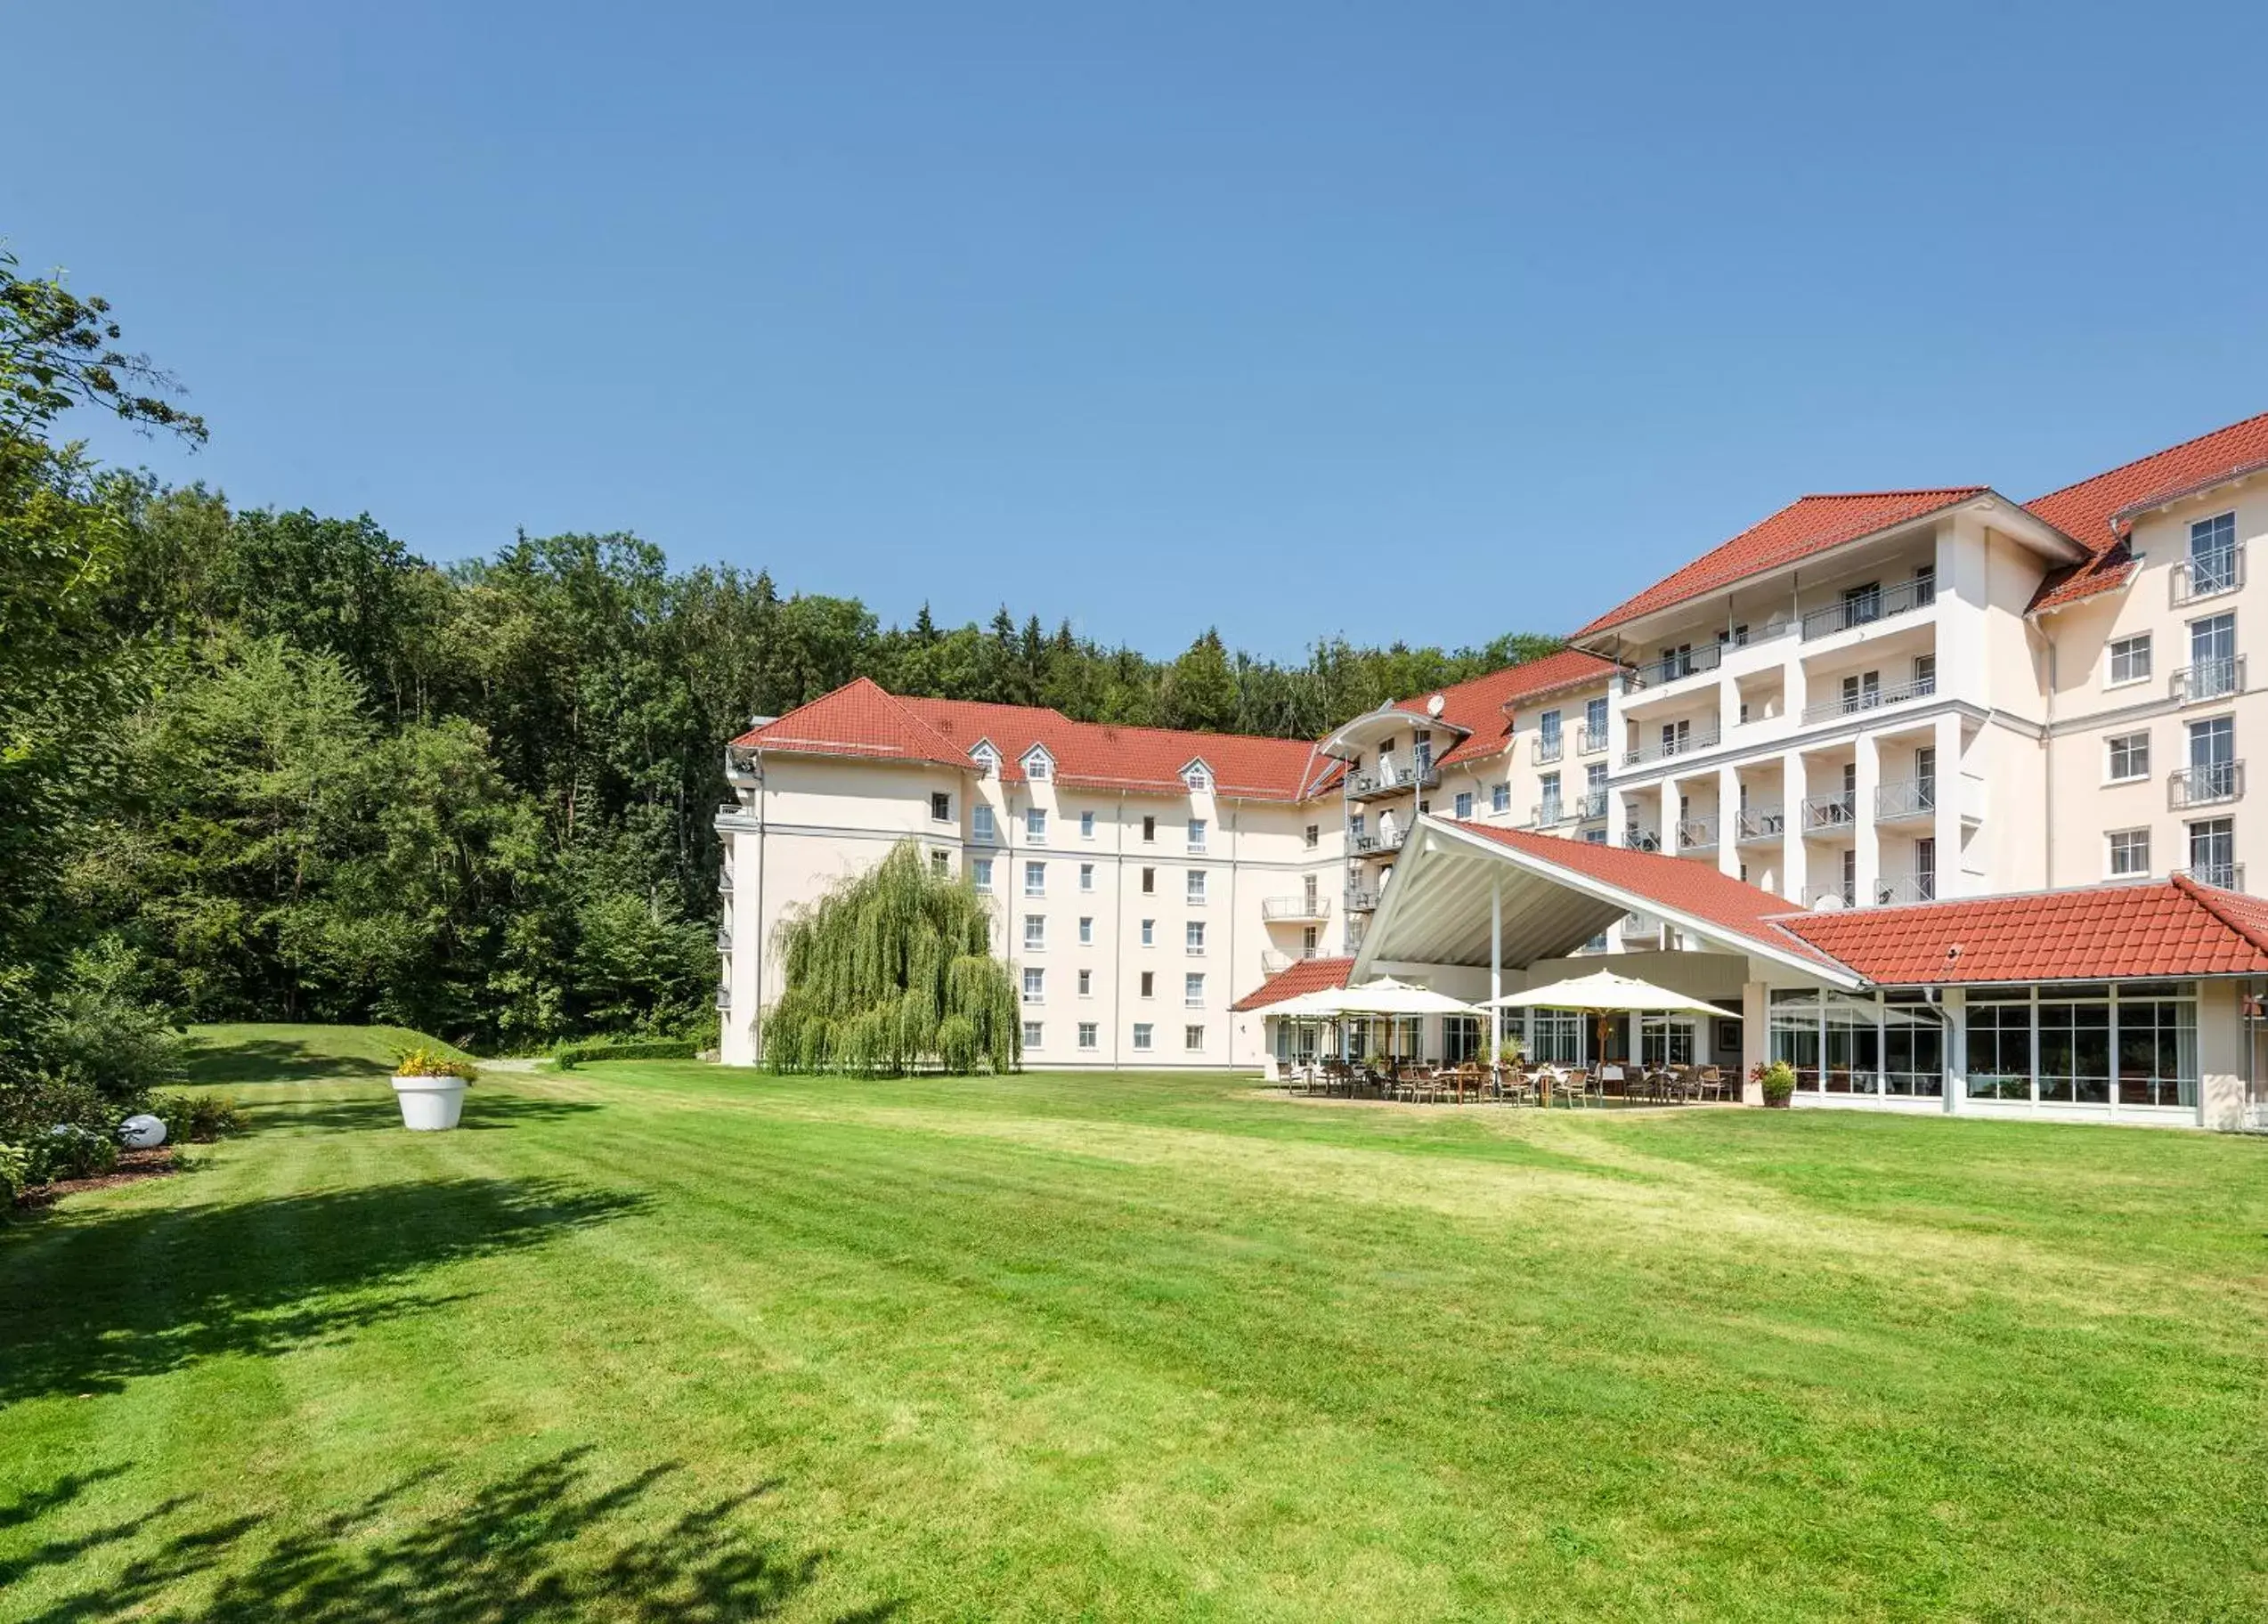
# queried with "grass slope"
point(654, 1339)
point(274, 1051)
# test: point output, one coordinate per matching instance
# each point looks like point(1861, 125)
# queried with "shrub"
point(571, 1055)
point(69, 1151)
point(432, 1063)
point(15, 1172)
point(198, 1118)
point(1778, 1080)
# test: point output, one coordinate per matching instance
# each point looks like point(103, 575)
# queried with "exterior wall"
point(810, 822)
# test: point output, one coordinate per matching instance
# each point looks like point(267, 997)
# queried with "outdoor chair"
point(1573, 1086)
point(1711, 1082)
point(1516, 1085)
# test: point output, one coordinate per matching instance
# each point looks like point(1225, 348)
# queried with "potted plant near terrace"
point(1777, 1080)
point(430, 1089)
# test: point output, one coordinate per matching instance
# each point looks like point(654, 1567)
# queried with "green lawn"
point(657, 1341)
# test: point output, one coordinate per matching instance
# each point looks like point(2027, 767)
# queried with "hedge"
point(627, 1049)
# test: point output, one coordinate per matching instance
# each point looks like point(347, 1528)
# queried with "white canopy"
point(1384, 996)
point(1605, 990)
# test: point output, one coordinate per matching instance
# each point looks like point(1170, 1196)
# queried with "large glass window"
point(2157, 1051)
point(1460, 1038)
point(1556, 1038)
point(2000, 1045)
point(1912, 1051)
point(1666, 1040)
point(2213, 555)
point(2075, 1046)
point(1853, 1053)
point(1795, 1034)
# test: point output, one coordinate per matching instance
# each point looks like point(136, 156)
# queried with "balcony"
point(1362, 902)
point(2225, 876)
point(1641, 928)
point(724, 998)
point(1549, 748)
point(1908, 798)
point(1275, 962)
point(1590, 744)
point(1754, 824)
point(1865, 608)
point(1868, 699)
point(1551, 814)
point(1307, 909)
point(2206, 679)
point(1641, 840)
point(1697, 834)
point(724, 939)
point(2214, 784)
point(2207, 575)
point(1590, 807)
point(1669, 668)
point(1836, 814)
point(1891, 892)
point(1391, 781)
point(1676, 745)
point(1376, 843)
point(724, 883)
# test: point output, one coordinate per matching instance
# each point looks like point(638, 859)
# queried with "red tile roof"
point(1808, 525)
point(2098, 513)
point(860, 719)
point(2167, 929)
point(1305, 976)
point(1481, 706)
point(1678, 885)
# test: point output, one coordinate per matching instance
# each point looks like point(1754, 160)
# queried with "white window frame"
point(2136, 643)
point(1039, 765)
point(940, 807)
point(1090, 1036)
point(1144, 1031)
point(1193, 1037)
point(1198, 829)
point(1194, 989)
point(1150, 933)
point(1194, 887)
point(1086, 825)
point(1033, 1031)
point(1034, 879)
point(1463, 805)
point(1193, 937)
point(1035, 985)
point(1087, 877)
point(2110, 751)
point(2111, 853)
point(1035, 825)
point(1085, 982)
point(981, 876)
point(1035, 933)
point(1087, 929)
point(982, 829)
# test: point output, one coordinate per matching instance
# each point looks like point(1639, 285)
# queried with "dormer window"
point(1037, 765)
point(988, 761)
point(1199, 779)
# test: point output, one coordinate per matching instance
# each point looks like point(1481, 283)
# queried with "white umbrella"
point(1384, 996)
point(1605, 990)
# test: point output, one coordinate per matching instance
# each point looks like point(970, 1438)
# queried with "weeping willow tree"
point(890, 972)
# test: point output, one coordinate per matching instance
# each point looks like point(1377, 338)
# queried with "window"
point(2156, 1048)
point(2074, 1049)
point(1500, 798)
point(1464, 803)
point(1150, 983)
point(1548, 798)
point(980, 874)
point(2212, 853)
point(1196, 887)
point(1086, 876)
point(1356, 823)
point(2129, 852)
point(1031, 1034)
point(1090, 1035)
point(1197, 835)
point(1035, 933)
point(1035, 985)
point(1149, 830)
point(1556, 1037)
point(1861, 604)
point(940, 807)
point(2213, 760)
point(1086, 825)
point(1594, 723)
point(1999, 1048)
point(2213, 656)
point(1142, 1035)
point(1313, 836)
point(1086, 984)
point(2213, 555)
point(1037, 765)
point(2129, 660)
point(1148, 932)
point(1087, 929)
point(1148, 881)
point(988, 761)
point(1194, 989)
point(1035, 825)
point(1925, 674)
point(1549, 737)
point(940, 864)
point(1310, 939)
point(1193, 935)
point(1862, 691)
point(1193, 1037)
point(1666, 1040)
point(1034, 879)
point(980, 829)
point(2129, 757)
point(1198, 780)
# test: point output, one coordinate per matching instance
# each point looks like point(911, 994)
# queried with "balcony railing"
point(1868, 699)
point(1865, 608)
point(732, 808)
point(1641, 840)
point(2206, 679)
point(1551, 814)
point(2208, 575)
point(724, 998)
point(1275, 962)
point(2214, 784)
point(1907, 798)
point(1590, 743)
point(1393, 781)
point(1697, 834)
point(1676, 744)
point(1641, 927)
point(724, 883)
point(1825, 814)
point(1549, 747)
point(1362, 902)
point(1758, 823)
point(1669, 668)
point(1590, 806)
point(1372, 842)
point(724, 939)
point(1296, 907)
point(1889, 892)
point(2227, 876)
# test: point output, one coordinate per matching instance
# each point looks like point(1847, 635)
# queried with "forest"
point(264, 763)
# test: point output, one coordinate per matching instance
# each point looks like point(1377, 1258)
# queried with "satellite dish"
point(1437, 705)
point(1826, 902)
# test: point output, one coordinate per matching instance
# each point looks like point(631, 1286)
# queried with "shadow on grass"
point(485, 1108)
point(269, 1059)
point(89, 1300)
point(551, 1542)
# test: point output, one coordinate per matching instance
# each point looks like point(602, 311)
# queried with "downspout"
point(1236, 831)
point(2047, 746)
point(1118, 925)
point(763, 824)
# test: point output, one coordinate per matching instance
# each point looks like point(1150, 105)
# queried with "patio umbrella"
point(1384, 996)
point(1601, 993)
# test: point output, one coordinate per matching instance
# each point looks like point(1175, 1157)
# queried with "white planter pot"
point(428, 1103)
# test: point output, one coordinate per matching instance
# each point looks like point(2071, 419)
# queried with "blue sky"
point(1418, 322)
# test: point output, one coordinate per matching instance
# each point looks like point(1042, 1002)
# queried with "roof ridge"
point(1833, 496)
point(2206, 898)
point(2135, 462)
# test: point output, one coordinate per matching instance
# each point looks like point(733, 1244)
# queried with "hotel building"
point(1857, 715)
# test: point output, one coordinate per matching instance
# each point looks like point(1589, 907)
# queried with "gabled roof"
point(2098, 513)
point(1480, 709)
point(2169, 928)
point(861, 719)
point(1305, 976)
point(1808, 525)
